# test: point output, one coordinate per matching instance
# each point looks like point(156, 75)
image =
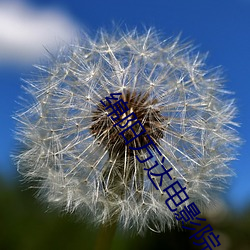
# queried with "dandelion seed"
point(81, 162)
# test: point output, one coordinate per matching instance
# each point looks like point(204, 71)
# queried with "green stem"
point(105, 236)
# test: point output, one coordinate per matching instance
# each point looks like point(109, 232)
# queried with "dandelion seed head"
point(77, 157)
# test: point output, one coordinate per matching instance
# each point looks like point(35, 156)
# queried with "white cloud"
point(25, 31)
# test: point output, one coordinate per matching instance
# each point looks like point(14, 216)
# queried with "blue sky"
point(221, 27)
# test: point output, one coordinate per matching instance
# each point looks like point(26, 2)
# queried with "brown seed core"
point(143, 107)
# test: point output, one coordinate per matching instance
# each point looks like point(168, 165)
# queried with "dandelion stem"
point(105, 236)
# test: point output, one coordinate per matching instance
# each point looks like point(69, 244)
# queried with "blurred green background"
point(27, 225)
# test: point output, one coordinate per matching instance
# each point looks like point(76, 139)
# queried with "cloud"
point(25, 31)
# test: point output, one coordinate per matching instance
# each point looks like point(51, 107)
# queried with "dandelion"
point(82, 164)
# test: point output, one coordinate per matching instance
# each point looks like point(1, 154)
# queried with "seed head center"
point(143, 107)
